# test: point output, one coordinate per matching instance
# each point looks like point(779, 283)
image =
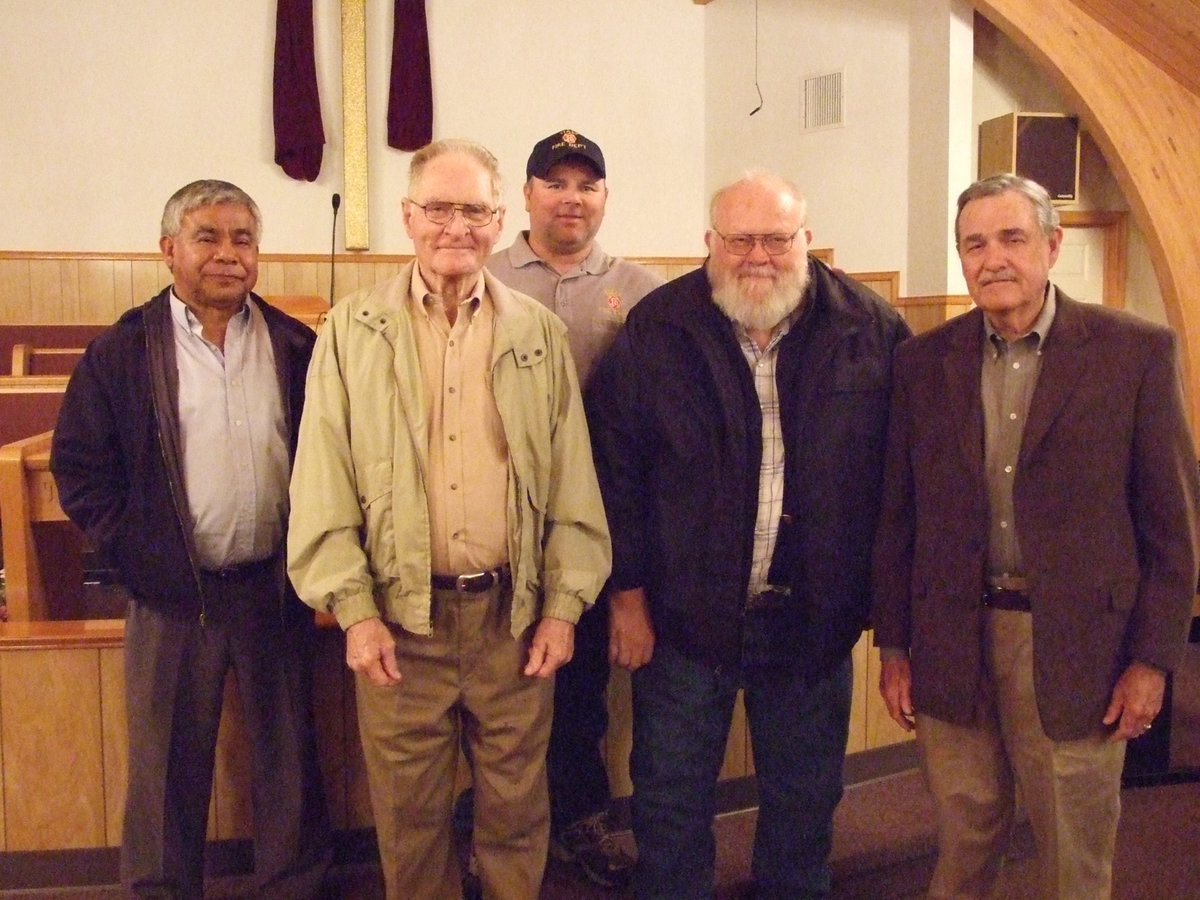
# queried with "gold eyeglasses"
point(439, 212)
point(743, 244)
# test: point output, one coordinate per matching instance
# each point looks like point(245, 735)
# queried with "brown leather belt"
point(1014, 599)
point(474, 583)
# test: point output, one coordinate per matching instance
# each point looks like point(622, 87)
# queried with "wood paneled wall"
point(95, 288)
point(64, 752)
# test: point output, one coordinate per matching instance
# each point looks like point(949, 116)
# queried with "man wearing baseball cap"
point(558, 262)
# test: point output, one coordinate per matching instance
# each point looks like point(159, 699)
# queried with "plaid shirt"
point(770, 474)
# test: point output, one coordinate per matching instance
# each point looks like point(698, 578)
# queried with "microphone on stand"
point(337, 202)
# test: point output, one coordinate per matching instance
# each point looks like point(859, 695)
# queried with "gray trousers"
point(175, 673)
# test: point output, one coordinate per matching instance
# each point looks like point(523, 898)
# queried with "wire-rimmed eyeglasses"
point(439, 212)
point(743, 244)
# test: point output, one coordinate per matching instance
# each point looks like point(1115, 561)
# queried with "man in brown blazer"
point(1036, 557)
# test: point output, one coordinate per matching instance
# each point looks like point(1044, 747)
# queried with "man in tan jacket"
point(445, 510)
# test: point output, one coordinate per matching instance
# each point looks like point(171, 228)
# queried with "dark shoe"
point(592, 845)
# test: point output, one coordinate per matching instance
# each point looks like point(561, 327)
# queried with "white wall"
point(107, 107)
point(856, 176)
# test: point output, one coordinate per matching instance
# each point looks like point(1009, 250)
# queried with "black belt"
point(770, 598)
point(474, 583)
point(1014, 599)
point(241, 571)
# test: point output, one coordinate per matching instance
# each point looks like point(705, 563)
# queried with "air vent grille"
point(823, 101)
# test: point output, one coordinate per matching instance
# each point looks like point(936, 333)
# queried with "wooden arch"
point(1145, 121)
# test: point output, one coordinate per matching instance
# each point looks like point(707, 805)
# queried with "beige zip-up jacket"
point(358, 537)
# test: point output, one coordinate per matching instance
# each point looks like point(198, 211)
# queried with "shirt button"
point(1007, 469)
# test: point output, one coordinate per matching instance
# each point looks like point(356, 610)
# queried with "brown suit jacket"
point(1105, 495)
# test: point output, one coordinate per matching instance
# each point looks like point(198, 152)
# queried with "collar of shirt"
point(777, 334)
point(422, 296)
point(184, 317)
point(520, 254)
point(1041, 326)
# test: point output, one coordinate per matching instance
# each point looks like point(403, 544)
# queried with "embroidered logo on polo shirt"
point(613, 297)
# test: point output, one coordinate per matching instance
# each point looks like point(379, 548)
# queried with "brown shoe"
point(593, 846)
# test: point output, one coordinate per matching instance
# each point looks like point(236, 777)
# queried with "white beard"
point(753, 309)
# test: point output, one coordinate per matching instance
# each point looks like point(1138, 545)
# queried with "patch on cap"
point(559, 146)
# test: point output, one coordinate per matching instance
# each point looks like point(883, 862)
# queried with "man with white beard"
point(738, 424)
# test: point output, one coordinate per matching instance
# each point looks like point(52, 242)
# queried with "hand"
point(371, 649)
point(552, 647)
point(895, 684)
point(630, 631)
point(1136, 700)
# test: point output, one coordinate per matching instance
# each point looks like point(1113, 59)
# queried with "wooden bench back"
point(29, 405)
point(41, 337)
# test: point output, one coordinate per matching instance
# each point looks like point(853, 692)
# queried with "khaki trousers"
point(1070, 789)
point(462, 682)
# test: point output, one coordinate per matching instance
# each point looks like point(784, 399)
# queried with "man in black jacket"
point(738, 424)
point(173, 452)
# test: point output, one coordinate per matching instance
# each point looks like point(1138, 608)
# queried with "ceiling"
point(1166, 32)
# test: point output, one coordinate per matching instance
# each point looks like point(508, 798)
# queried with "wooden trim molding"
point(1115, 264)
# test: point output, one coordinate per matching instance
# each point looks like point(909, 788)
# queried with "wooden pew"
point(28, 359)
point(42, 336)
point(308, 308)
point(43, 552)
point(29, 404)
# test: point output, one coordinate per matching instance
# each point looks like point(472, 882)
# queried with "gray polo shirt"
point(592, 300)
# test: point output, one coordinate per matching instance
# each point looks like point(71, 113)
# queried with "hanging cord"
point(756, 87)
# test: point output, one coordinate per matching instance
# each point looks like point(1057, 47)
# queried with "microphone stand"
point(337, 202)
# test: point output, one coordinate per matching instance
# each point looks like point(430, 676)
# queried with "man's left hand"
point(552, 647)
point(1136, 700)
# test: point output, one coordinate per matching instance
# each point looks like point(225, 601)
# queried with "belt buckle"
point(474, 583)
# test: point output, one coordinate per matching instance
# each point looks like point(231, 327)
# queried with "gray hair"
point(206, 192)
point(476, 151)
point(1038, 197)
point(766, 179)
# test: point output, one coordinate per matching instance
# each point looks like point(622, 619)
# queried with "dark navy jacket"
point(676, 430)
point(116, 453)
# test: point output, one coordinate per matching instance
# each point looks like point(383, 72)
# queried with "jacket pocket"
point(1121, 595)
point(378, 535)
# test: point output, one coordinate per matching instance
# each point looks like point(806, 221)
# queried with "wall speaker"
point(1041, 146)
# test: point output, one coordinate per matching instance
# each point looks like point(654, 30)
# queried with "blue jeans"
point(681, 717)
